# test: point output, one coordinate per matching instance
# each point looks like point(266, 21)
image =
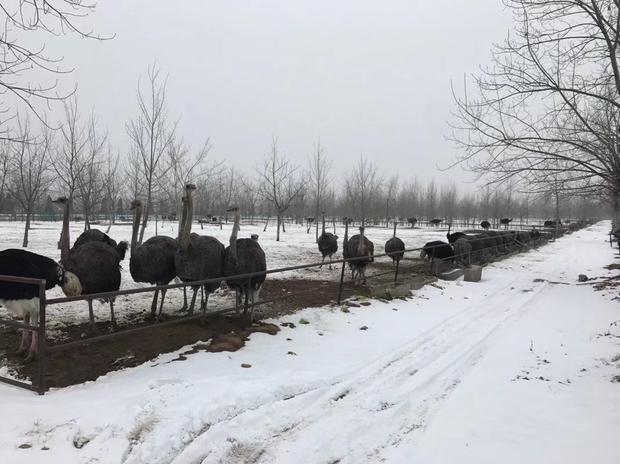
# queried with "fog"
point(365, 77)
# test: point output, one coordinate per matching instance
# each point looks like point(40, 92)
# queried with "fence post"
point(341, 282)
point(41, 345)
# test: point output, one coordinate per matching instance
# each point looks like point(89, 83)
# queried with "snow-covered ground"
point(514, 369)
point(296, 247)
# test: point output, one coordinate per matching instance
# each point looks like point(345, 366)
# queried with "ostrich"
point(412, 221)
point(96, 264)
point(152, 261)
point(505, 222)
point(244, 256)
point(198, 257)
point(436, 222)
point(486, 225)
point(395, 247)
point(328, 244)
point(23, 299)
point(358, 247)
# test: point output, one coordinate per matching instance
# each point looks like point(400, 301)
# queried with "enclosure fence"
point(38, 384)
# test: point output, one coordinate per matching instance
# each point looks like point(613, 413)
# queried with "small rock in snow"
point(246, 366)
point(292, 353)
point(582, 278)
point(25, 446)
point(363, 327)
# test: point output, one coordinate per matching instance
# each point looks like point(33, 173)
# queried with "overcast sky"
point(368, 78)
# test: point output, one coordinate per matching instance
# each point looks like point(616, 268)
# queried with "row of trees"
point(546, 114)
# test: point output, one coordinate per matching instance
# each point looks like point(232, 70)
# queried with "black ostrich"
point(152, 261)
point(198, 257)
point(395, 247)
point(23, 299)
point(413, 221)
point(96, 264)
point(505, 222)
point(94, 235)
point(359, 246)
point(328, 244)
point(244, 256)
point(437, 250)
point(436, 222)
point(486, 225)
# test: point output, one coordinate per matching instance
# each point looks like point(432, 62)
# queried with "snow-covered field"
point(296, 247)
point(514, 369)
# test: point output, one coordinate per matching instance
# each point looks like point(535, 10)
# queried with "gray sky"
point(366, 77)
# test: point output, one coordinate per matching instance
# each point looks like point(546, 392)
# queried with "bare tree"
point(430, 200)
point(151, 135)
point(69, 151)
point(279, 183)
point(550, 104)
point(4, 171)
point(362, 187)
point(90, 179)
point(24, 61)
point(28, 179)
point(391, 192)
point(112, 185)
point(319, 173)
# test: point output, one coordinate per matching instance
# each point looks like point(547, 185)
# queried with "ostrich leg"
point(25, 336)
point(322, 262)
point(330, 262)
point(32, 351)
point(184, 308)
point(161, 303)
point(203, 307)
point(192, 304)
point(91, 315)
point(112, 318)
point(154, 304)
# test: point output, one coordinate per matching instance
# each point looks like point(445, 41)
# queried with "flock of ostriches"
point(92, 265)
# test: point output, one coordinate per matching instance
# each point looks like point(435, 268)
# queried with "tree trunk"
point(26, 229)
point(266, 224)
point(278, 229)
point(147, 211)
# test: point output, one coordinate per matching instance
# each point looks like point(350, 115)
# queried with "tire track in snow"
point(413, 382)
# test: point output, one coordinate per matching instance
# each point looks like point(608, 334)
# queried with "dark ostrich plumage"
point(153, 261)
point(328, 244)
point(22, 263)
point(359, 246)
point(94, 235)
point(396, 246)
point(202, 259)
point(197, 257)
point(244, 256)
point(250, 258)
point(95, 263)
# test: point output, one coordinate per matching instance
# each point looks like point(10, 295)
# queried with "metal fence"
point(38, 384)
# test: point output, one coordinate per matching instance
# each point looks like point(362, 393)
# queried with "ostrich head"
point(190, 187)
point(69, 282)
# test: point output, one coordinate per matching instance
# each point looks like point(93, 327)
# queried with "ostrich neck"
point(233, 235)
point(360, 247)
point(134, 231)
point(395, 223)
point(323, 223)
point(64, 237)
point(186, 226)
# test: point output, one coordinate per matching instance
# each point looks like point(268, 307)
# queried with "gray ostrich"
point(152, 261)
point(359, 246)
point(328, 244)
point(197, 257)
point(244, 256)
point(395, 247)
point(96, 264)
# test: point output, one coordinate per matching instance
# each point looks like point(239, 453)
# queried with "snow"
point(296, 247)
point(516, 368)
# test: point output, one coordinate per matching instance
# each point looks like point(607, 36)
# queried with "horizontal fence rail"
point(510, 239)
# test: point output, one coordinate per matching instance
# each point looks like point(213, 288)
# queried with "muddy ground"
point(218, 333)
